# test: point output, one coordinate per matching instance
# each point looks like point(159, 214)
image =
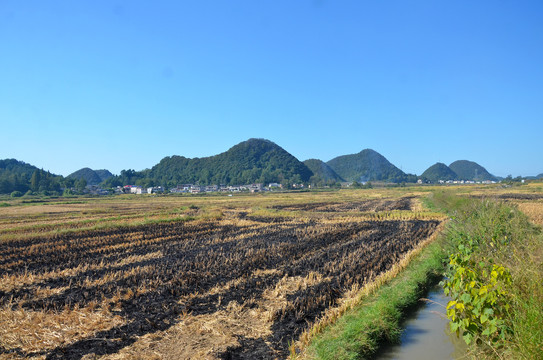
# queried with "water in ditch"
point(426, 334)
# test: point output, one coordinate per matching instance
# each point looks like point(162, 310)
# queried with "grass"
point(504, 236)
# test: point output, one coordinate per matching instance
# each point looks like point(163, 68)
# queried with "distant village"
point(249, 188)
point(190, 189)
point(420, 181)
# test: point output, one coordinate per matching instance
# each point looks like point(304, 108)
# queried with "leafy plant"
point(477, 284)
point(480, 299)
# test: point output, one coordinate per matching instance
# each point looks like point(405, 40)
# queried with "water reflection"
point(426, 334)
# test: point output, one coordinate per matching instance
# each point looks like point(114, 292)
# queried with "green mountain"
point(251, 161)
point(90, 176)
point(367, 165)
point(103, 174)
point(19, 176)
point(469, 170)
point(17, 167)
point(439, 171)
point(321, 171)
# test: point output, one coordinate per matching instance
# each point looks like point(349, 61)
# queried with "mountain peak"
point(439, 171)
point(253, 160)
point(92, 177)
point(367, 165)
point(469, 170)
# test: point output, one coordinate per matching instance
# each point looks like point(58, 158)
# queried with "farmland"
point(192, 276)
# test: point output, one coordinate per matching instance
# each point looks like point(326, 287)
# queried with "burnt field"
point(375, 205)
point(241, 285)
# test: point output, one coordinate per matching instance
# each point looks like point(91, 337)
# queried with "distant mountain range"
point(251, 161)
point(458, 170)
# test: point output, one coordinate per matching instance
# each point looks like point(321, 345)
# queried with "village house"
point(196, 189)
point(155, 190)
point(211, 188)
point(255, 188)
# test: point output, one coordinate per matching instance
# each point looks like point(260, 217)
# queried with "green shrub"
point(494, 277)
point(481, 301)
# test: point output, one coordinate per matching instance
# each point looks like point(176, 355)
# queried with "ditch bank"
point(376, 316)
point(426, 334)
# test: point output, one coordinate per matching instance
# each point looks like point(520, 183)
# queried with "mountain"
point(367, 165)
point(321, 171)
point(439, 171)
point(469, 170)
point(90, 176)
point(16, 167)
point(18, 176)
point(251, 161)
point(103, 174)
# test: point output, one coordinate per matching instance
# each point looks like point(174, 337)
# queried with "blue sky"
point(120, 85)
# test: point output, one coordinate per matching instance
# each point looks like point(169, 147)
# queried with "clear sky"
point(120, 85)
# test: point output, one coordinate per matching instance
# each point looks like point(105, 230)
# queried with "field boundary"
point(355, 298)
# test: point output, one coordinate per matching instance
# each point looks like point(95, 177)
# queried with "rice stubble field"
point(211, 277)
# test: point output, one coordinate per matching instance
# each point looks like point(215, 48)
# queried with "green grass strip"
point(377, 319)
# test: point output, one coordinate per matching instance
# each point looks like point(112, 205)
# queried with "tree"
point(35, 180)
point(81, 184)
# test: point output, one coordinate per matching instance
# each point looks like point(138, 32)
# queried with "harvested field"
point(534, 210)
point(241, 285)
point(375, 205)
point(513, 196)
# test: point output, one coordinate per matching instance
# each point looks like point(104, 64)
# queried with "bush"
point(16, 194)
point(494, 277)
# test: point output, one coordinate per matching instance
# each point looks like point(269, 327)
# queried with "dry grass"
point(39, 331)
point(534, 210)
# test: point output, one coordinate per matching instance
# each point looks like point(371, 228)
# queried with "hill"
point(251, 161)
point(321, 171)
point(439, 171)
point(103, 174)
point(19, 176)
point(367, 165)
point(469, 170)
point(90, 176)
point(16, 167)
